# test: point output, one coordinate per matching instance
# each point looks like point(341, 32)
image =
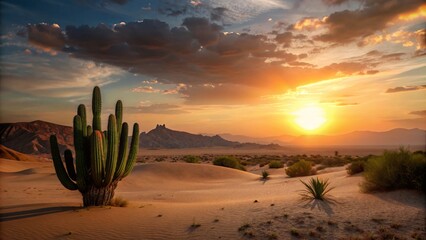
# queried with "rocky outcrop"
point(162, 137)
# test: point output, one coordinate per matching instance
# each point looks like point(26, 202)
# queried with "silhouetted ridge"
point(162, 137)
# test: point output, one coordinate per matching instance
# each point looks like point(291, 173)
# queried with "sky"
point(247, 67)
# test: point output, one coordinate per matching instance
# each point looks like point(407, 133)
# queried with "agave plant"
point(102, 159)
point(316, 189)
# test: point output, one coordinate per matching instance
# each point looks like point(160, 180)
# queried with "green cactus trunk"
point(102, 158)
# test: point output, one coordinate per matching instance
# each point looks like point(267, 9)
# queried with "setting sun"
point(310, 117)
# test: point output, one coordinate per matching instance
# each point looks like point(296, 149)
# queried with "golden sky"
point(255, 68)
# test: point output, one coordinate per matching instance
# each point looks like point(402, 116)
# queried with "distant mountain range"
point(394, 137)
point(33, 138)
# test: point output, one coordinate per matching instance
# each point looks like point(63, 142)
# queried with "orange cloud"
point(418, 13)
point(310, 23)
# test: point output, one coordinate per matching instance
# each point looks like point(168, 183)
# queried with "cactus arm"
point(97, 164)
point(119, 115)
point(59, 166)
point(105, 141)
point(122, 152)
point(80, 152)
point(134, 147)
point(69, 163)
point(111, 158)
point(96, 109)
point(89, 130)
point(82, 113)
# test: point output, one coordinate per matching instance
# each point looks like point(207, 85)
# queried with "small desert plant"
point(395, 170)
point(191, 159)
point(244, 227)
point(355, 167)
point(300, 168)
point(316, 189)
point(265, 175)
point(228, 161)
point(276, 164)
point(119, 202)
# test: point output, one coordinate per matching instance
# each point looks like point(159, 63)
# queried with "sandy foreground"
point(166, 199)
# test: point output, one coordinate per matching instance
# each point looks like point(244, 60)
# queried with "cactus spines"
point(112, 154)
point(96, 108)
point(101, 158)
point(119, 115)
point(134, 146)
point(80, 152)
point(97, 155)
point(122, 152)
point(59, 166)
point(81, 111)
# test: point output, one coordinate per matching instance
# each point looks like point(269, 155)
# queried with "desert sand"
point(166, 199)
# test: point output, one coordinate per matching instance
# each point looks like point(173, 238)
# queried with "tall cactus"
point(101, 158)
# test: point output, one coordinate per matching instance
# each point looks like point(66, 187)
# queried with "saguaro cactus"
point(101, 158)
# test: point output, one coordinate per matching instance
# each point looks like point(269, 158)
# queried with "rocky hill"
point(162, 137)
point(33, 137)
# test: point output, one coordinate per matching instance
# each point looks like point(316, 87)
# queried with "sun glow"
point(310, 117)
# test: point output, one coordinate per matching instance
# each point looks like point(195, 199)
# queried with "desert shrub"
point(191, 159)
point(276, 164)
point(316, 189)
point(355, 167)
point(119, 202)
point(228, 161)
point(300, 168)
point(265, 175)
point(395, 170)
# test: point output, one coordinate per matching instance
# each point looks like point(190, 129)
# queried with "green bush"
point(228, 161)
point(191, 159)
point(316, 189)
point(355, 167)
point(276, 164)
point(395, 170)
point(300, 168)
point(265, 175)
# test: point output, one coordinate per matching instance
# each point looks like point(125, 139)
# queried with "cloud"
point(405, 89)
point(160, 108)
point(405, 38)
point(349, 25)
point(145, 89)
point(61, 77)
point(198, 52)
point(421, 113)
point(334, 2)
point(343, 104)
point(47, 37)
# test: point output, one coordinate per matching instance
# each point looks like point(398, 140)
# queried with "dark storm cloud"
point(334, 2)
point(405, 89)
point(350, 25)
point(287, 38)
point(196, 54)
point(44, 35)
point(218, 13)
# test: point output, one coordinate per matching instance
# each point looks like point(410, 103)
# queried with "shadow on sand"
point(320, 205)
point(9, 216)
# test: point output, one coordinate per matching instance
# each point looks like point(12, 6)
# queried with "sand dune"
point(165, 199)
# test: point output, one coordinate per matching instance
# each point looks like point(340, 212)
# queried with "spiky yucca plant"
point(316, 189)
point(101, 158)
